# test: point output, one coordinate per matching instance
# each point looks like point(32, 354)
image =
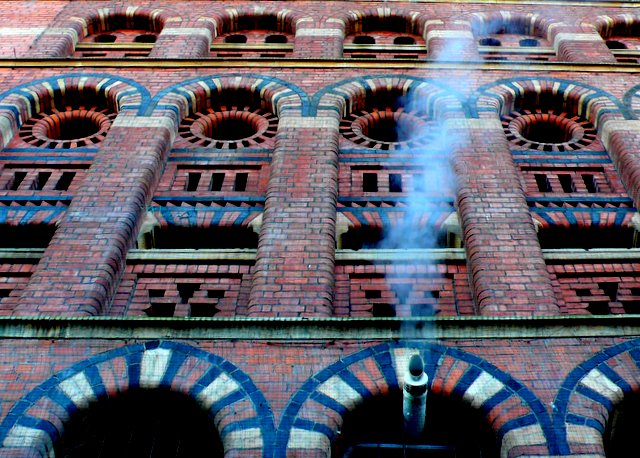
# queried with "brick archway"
point(309, 423)
point(589, 395)
point(35, 423)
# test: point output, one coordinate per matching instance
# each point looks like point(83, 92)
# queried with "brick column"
point(579, 44)
point(508, 271)
point(621, 138)
point(184, 40)
point(83, 264)
point(294, 272)
point(313, 42)
point(453, 41)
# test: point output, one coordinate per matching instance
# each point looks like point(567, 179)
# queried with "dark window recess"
point(453, 429)
point(193, 179)
point(395, 182)
point(372, 294)
point(383, 310)
point(240, 183)
point(566, 181)
point(161, 310)
point(213, 237)
point(529, 43)
point(156, 293)
point(275, 39)
point(27, 236)
point(273, 55)
point(590, 183)
point(542, 181)
point(18, 178)
point(610, 289)
point(216, 182)
point(65, 181)
point(186, 291)
point(215, 294)
point(615, 44)
point(396, 24)
point(586, 237)
point(94, 54)
point(235, 39)
point(202, 310)
point(364, 40)
point(41, 180)
point(582, 292)
point(546, 132)
point(598, 308)
point(105, 38)
point(404, 41)
point(489, 42)
point(146, 38)
point(5, 292)
point(621, 431)
point(154, 423)
point(370, 182)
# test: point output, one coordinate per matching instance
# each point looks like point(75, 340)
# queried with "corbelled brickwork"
point(339, 183)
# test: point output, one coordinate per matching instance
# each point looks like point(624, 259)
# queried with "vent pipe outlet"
point(414, 396)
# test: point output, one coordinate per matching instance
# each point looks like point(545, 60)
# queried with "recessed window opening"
point(72, 128)
point(235, 39)
point(154, 423)
point(590, 182)
point(18, 178)
point(205, 238)
point(105, 38)
point(389, 129)
point(230, 129)
point(276, 39)
point(615, 44)
point(545, 132)
point(41, 180)
point(566, 181)
point(65, 181)
point(452, 430)
point(489, 42)
point(193, 179)
point(529, 43)
point(367, 237)
point(262, 22)
point(240, 183)
point(542, 181)
point(586, 237)
point(26, 236)
point(395, 182)
point(217, 179)
point(364, 40)
point(383, 310)
point(186, 291)
point(370, 182)
point(621, 433)
point(146, 38)
point(404, 41)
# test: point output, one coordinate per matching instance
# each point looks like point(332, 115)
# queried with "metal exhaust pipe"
point(414, 397)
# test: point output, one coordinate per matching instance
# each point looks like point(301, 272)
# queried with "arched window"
point(252, 35)
point(452, 430)
point(622, 35)
point(119, 35)
point(512, 36)
point(383, 37)
point(151, 423)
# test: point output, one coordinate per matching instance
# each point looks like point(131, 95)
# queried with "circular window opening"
point(404, 41)
point(229, 128)
point(387, 128)
point(529, 43)
point(235, 39)
point(615, 44)
point(105, 38)
point(489, 42)
point(275, 39)
point(546, 131)
point(363, 40)
point(145, 38)
point(67, 129)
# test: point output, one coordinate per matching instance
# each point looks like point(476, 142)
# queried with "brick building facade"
point(226, 227)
